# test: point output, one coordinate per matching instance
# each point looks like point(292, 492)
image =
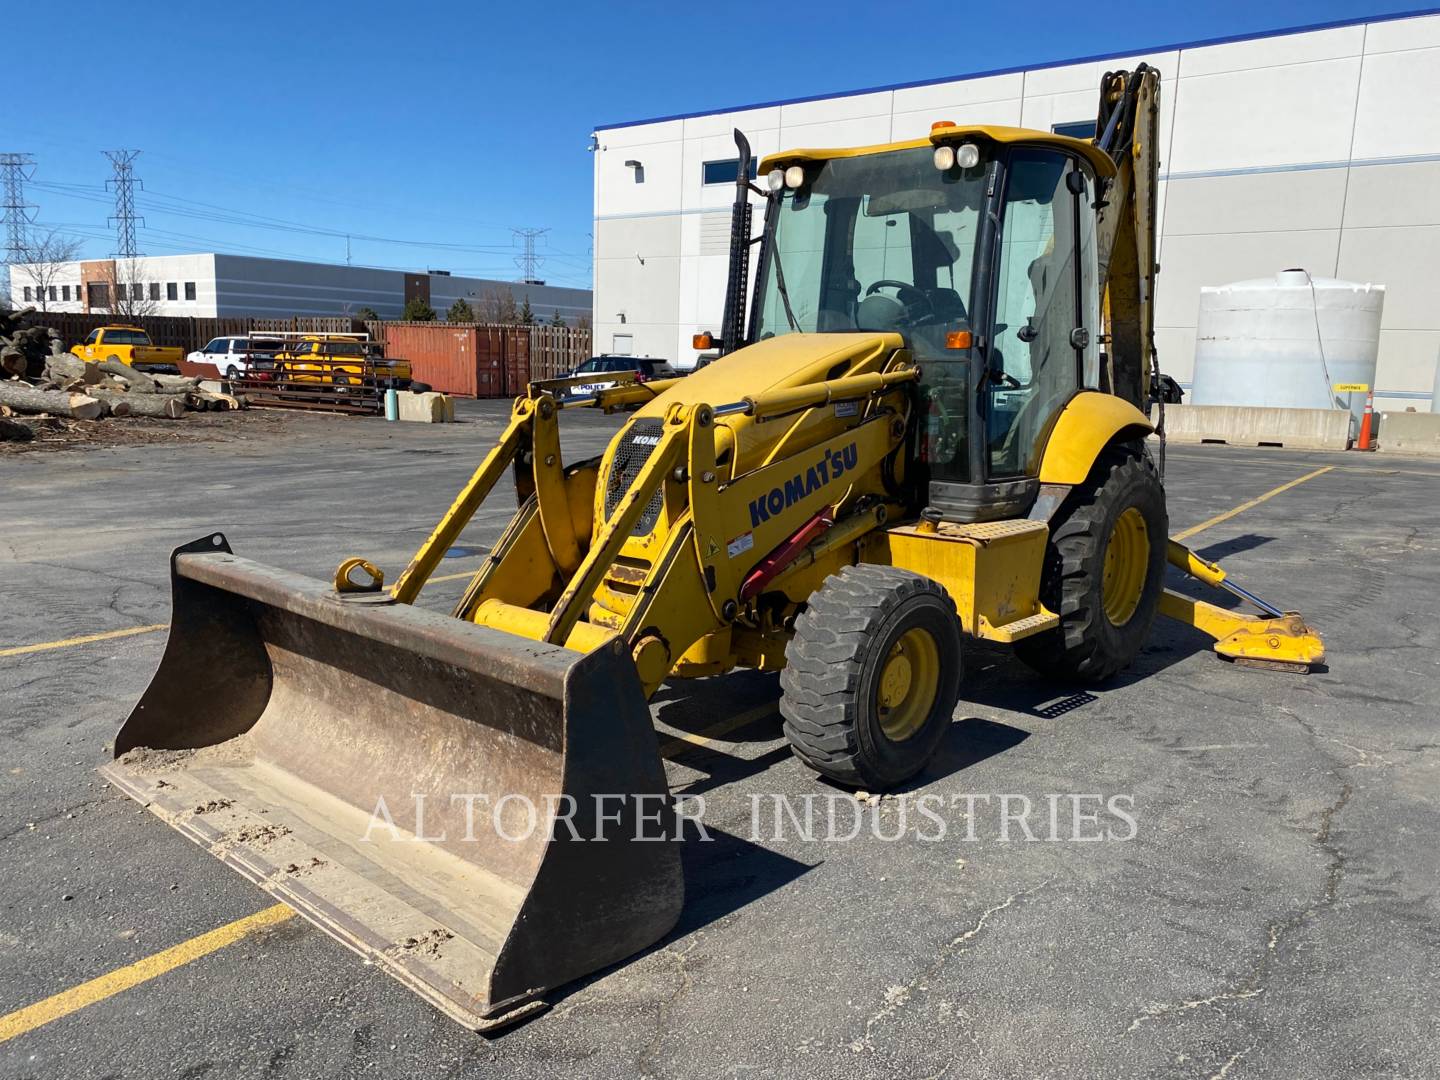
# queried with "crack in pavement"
point(897, 997)
point(1252, 986)
point(644, 1060)
point(63, 812)
point(1230, 1064)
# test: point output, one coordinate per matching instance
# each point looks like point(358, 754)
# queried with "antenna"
point(15, 169)
point(529, 262)
point(123, 184)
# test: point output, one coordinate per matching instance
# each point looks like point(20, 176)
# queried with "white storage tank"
point(1286, 342)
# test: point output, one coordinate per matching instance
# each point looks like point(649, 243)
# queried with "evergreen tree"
point(417, 310)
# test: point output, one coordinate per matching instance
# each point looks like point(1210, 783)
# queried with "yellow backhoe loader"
point(930, 427)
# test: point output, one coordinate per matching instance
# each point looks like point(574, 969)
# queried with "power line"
point(15, 170)
point(529, 262)
point(124, 182)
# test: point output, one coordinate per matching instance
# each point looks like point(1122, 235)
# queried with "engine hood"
point(773, 364)
point(778, 363)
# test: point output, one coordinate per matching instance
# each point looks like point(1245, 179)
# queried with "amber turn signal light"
point(702, 342)
point(959, 339)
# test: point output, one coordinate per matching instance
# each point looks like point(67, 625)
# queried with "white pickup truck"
point(236, 356)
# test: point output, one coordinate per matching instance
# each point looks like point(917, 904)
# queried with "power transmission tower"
point(123, 184)
point(529, 262)
point(15, 169)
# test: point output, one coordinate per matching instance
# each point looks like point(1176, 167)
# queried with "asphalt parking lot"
point(1272, 913)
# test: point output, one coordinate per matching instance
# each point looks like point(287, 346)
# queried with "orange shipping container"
point(447, 358)
point(465, 359)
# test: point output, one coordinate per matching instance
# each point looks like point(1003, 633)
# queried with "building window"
point(154, 290)
point(137, 291)
point(27, 292)
point(170, 291)
point(64, 292)
point(724, 172)
point(1076, 129)
point(54, 293)
point(189, 290)
point(99, 294)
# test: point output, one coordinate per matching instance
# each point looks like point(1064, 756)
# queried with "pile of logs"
point(38, 378)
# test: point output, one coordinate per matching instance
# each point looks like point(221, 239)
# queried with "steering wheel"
point(917, 305)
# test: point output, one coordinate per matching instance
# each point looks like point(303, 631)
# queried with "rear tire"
point(871, 676)
point(1104, 571)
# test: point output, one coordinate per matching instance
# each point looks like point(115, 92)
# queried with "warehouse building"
point(1317, 147)
point(211, 285)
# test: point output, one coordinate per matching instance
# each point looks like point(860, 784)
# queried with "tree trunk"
point(166, 406)
point(64, 368)
point(14, 431)
point(175, 384)
point(138, 380)
point(25, 398)
point(216, 401)
point(12, 361)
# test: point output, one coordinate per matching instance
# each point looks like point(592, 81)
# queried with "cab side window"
point(93, 338)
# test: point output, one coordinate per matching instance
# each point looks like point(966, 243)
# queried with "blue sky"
point(429, 131)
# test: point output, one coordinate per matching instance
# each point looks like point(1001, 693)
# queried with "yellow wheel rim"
point(909, 681)
point(1127, 558)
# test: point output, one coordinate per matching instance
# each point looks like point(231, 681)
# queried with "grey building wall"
point(278, 287)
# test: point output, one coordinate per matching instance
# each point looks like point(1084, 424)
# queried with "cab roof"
point(1100, 160)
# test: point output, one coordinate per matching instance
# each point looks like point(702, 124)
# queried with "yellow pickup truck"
point(128, 344)
point(342, 360)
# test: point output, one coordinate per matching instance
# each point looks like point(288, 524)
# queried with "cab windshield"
point(880, 242)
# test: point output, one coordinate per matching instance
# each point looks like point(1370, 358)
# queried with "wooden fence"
point(557, 350)
point(184, 332)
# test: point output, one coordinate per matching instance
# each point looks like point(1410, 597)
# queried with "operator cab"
point(981, 252)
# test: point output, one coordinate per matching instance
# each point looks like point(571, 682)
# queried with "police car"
point(602, 366)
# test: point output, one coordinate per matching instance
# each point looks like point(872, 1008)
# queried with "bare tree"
point(44, 257)
point(497, 306)
point(129, 294)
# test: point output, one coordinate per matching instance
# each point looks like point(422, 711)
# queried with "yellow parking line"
point(112, 983)
point(706, 738)
point(141, 971)
point(1228, 514)
point(84, 639)
point(452, 577)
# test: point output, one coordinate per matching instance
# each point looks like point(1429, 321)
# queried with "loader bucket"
point(287, 729)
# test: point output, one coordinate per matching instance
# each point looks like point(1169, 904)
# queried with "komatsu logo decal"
point(833, 465)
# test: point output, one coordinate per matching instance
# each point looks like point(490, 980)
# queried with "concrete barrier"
point(1246, 425)
point(1410, 433)
point(427, 408)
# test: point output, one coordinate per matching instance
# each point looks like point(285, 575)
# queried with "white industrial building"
point(1317, 147)
point(212, 284)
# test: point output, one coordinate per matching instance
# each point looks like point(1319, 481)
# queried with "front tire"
point(232, 373)
point(871, 676)
point(1104, 571)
